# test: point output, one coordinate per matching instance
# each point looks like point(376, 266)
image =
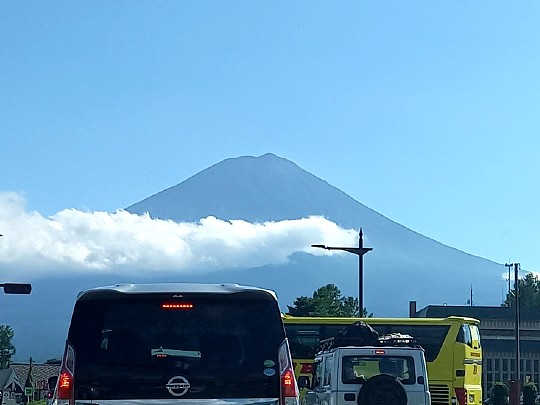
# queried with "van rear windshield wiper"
point(162, 352)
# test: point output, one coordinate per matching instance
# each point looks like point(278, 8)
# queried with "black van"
point(182, 343)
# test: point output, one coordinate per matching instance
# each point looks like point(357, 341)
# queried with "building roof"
point(7, 376)
point(40, 372)
point(480, 313)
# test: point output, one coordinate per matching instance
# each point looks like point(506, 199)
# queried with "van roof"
point(390, 349)
point(130, 288)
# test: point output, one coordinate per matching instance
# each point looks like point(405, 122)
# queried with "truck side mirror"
point(303, 382)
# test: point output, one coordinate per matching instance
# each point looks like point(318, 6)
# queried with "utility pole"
point(29, 384)
point(516, 287)
point(361, 272)
point(515, 383)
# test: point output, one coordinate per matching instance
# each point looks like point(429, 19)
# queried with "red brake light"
point(65, 385)
point(65, 380)
point(177, 305)
point(289, 389)
point(379, 351)
point(307, 368)
point(289, 386)
point(461, 394)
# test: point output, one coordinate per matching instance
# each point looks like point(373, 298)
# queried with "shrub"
point(499, 394)
point(529, 393)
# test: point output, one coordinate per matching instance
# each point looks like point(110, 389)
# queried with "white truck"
point(390, 371)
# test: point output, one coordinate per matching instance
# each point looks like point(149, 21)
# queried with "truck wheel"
point(382, 389)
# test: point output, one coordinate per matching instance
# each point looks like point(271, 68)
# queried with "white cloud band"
point(106, 242)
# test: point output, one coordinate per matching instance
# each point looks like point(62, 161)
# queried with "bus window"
point(477, 344)
point(304, 338)
point(464, 335)
point(430, 337)
point(303, 341)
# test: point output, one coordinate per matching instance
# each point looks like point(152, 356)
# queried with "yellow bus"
point(452, 349)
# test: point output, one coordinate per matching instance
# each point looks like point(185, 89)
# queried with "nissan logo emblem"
point(178, 386)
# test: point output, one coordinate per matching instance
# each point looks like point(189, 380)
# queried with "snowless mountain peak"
point(261, 188)
point(272, 188)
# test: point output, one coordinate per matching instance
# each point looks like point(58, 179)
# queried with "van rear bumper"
point(225, 401)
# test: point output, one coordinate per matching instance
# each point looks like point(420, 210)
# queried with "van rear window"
point(133, 346)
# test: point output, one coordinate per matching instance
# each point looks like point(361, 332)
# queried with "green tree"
point(529, 292)
point(326, 301)
point(6, 347)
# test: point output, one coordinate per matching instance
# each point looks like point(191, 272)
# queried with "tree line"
point(328, 300)
point(325, 301)
point(529, 292)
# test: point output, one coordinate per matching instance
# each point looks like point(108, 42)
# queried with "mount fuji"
point(403, 266)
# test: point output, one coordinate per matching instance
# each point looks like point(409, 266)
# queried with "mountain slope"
point(404, 264)
point(265, 188)
point(250, 188)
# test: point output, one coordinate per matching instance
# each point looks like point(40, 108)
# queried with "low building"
point(497, 330)
point(42, 376)
point(11, 388)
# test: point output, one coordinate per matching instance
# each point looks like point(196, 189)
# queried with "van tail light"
point(287, 384)
point(66, 379)
point(461, 394)
point(289, 388)
point(65, 385)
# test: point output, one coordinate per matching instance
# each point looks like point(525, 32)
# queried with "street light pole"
point(361, 272)
point(509, 265)
point(518, 320)
point(360, 251)
point(515, 383)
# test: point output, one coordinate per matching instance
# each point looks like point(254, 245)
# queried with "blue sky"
point(425, 111)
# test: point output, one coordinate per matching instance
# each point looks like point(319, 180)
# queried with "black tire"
point(382, 389)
